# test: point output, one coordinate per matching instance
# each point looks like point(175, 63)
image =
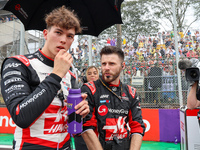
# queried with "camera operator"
point(191, 69)
point(193, 99)
point(192, 76)
point(193, 96)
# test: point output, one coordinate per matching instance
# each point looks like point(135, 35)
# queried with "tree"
point(163, 10)
point(137, 19)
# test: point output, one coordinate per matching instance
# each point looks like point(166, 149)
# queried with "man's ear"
point(123, 65)
point(45, 32)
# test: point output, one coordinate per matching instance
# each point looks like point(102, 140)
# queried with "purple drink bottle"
point(74, 120)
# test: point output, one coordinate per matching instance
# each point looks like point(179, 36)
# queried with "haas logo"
point(17, 7)
point(103, 110)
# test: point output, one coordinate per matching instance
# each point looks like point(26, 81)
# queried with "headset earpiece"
point(84, 79)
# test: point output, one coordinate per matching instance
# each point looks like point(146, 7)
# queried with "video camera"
point(191, 68)
point(192, 74)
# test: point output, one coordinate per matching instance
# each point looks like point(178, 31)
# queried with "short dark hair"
point(112, 50)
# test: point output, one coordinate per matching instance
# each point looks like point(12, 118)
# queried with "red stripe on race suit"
point(92, 87)
point(92, 121)
point(134, 125)
point(132, 91)
point(52, 126)
point(72, 74)
point(42, 142)
point(23, 59)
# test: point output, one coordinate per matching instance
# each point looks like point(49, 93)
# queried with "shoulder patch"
point(23, 59)
point(132, 90)
point(91, 86)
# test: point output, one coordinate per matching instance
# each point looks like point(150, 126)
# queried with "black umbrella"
point(95, 15)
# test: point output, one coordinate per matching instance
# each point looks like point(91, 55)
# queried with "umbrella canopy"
point(95, 15)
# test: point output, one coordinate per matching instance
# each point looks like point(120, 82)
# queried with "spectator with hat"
point(190, 53)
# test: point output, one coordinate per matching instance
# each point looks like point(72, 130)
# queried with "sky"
point(189, 18)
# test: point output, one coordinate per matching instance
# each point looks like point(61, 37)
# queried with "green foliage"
point(163, 11)
point(137, 19)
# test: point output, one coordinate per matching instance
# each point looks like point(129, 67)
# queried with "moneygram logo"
point(103, 110)
point(117, 111)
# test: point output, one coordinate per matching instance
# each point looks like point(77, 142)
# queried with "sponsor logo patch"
point(14, 79)
point(103, 110)
point(11, 65)
point(104, 96)
point(11, 73)
point(14, 87)
point(32, 99)
point(115, 128)
point(118, 111)
point(104, 101)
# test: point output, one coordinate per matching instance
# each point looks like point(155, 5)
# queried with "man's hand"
point(83, 108)
point(62, 63)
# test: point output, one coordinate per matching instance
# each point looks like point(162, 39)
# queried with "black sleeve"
point(24, 103)
point(90, 121)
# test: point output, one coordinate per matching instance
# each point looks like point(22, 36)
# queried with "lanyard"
point(111, 90)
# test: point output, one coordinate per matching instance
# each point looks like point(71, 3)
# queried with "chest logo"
point(114, 89)
point(103, 110)
point(104, 96)
point(115, 128)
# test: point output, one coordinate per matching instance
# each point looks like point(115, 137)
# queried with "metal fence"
point(150, 70)
point(156, 83)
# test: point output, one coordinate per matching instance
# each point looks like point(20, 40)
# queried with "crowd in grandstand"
point(144, 53)
point(7, 18)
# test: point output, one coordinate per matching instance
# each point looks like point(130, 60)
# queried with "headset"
point(122, 66)
point(84, 79)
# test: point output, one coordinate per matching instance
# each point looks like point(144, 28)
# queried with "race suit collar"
point(111, 85)
point(45, 59)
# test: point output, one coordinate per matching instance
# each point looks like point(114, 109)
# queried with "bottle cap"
point(74, 91)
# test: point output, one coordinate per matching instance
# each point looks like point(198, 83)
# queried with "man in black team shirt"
point(35, 87)
point(113, 105)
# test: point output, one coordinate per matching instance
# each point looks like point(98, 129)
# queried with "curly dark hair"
point(64, 18)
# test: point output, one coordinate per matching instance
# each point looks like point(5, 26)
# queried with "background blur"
point(147, 38)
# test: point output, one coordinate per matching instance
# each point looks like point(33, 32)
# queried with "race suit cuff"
point(56, 77)
point(86, 130)
point(136, 133)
